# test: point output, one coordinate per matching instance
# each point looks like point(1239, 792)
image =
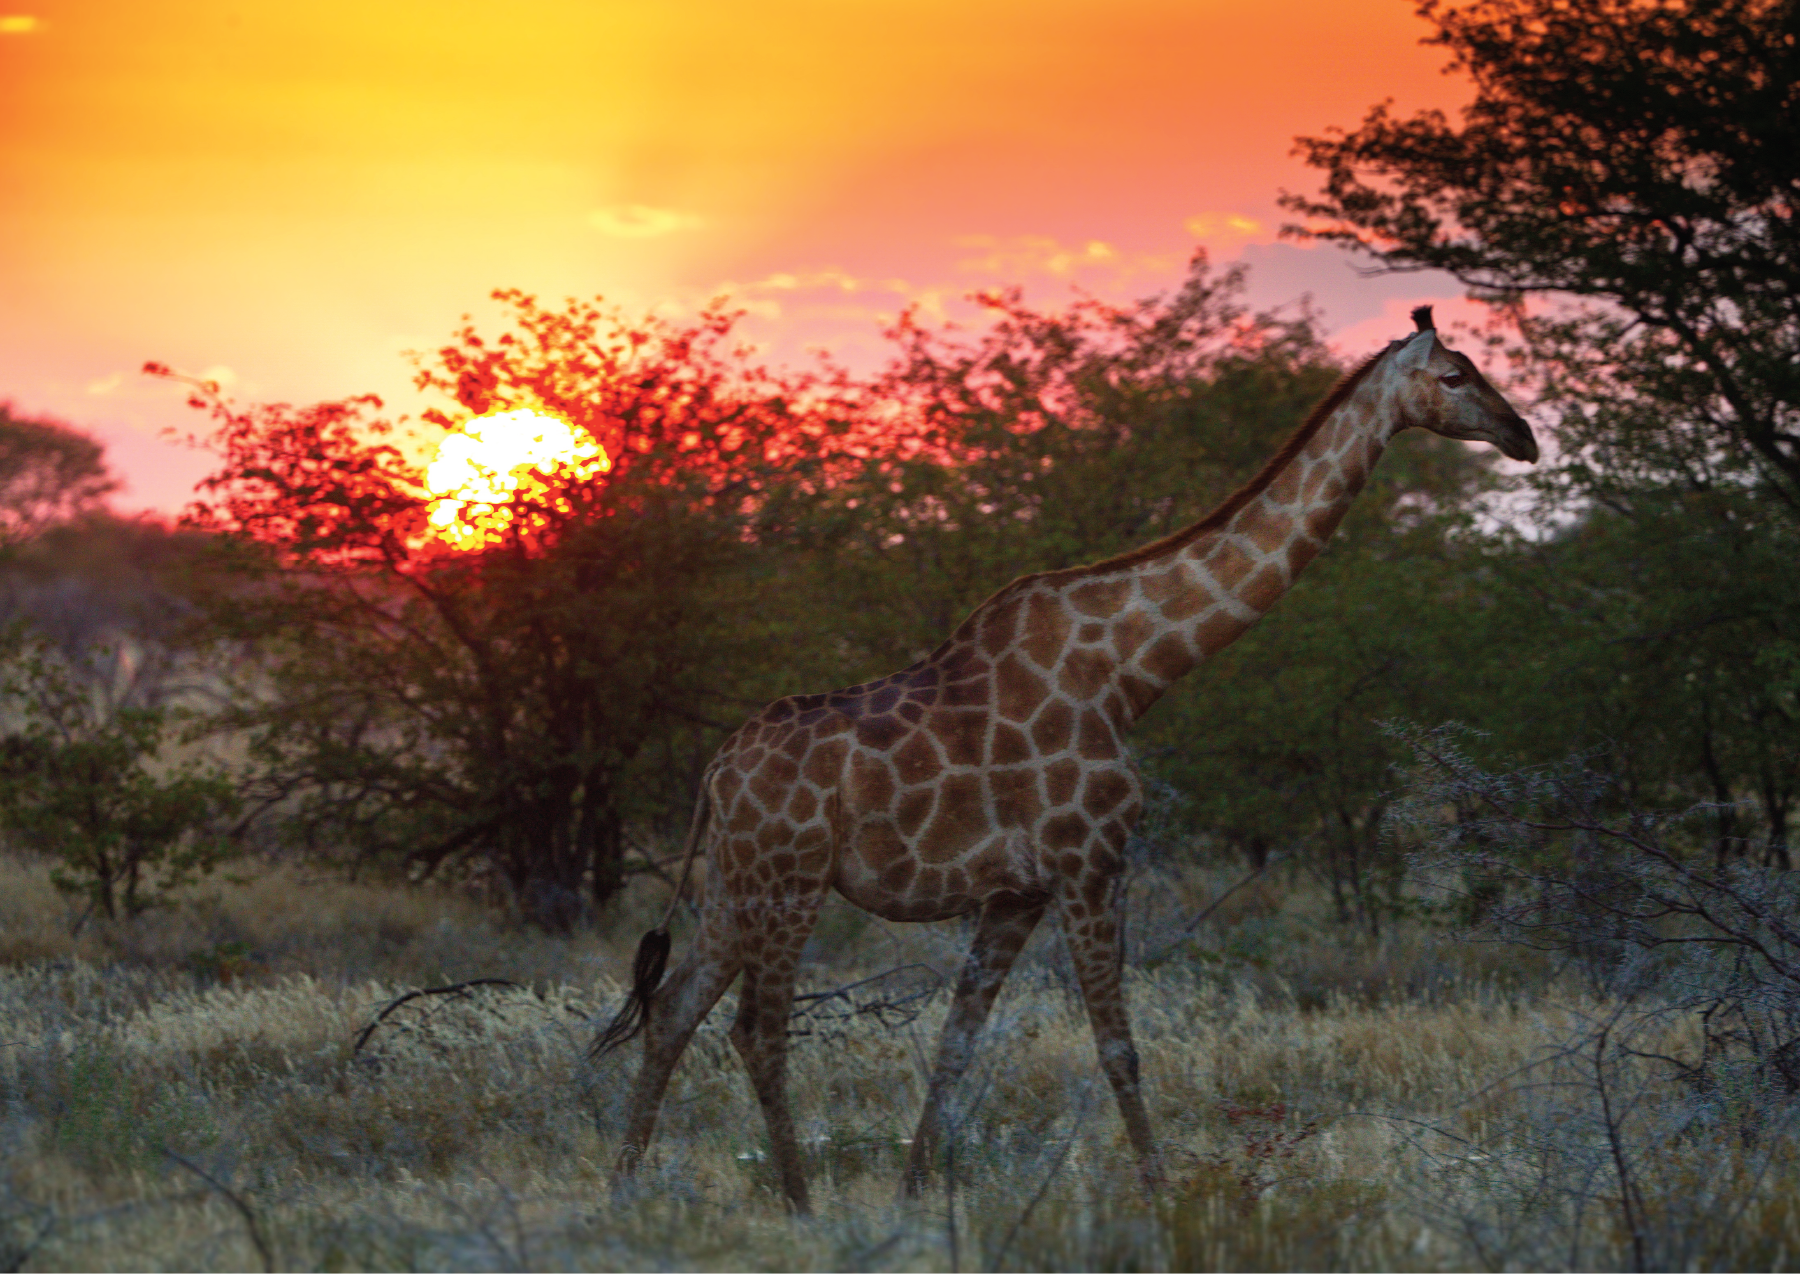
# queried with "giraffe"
point(992, 775)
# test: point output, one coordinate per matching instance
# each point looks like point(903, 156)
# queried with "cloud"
point(19, 24)
point(1225, 233)
point(105, 385)
point(640, 221)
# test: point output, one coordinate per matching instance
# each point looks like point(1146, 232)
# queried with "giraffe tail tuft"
point(646, 976)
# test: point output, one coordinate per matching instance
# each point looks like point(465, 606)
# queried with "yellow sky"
point(290, 195)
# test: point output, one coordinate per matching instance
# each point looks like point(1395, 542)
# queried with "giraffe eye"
point(1452, 379)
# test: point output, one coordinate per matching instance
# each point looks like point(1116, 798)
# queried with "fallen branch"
point(458, 989)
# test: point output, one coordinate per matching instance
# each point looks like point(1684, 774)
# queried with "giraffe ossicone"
point(992, 775)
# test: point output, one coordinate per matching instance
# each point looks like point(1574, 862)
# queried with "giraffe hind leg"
point(1096, 949)
point(1006, 924)
point(760, 1033)
point(671, 1015)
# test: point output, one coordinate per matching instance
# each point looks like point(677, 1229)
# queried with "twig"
point(458, 988)
point(244, 1209)
point(1199, 917)
point(1044, 1185)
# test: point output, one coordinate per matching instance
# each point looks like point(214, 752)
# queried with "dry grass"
point(184, 1092)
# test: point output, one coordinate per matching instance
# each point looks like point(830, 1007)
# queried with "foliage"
point(1640, 157)
point(1553, 857)
point(1054, 437)
point(89, 782)
point(49, 473)
point(516, 704)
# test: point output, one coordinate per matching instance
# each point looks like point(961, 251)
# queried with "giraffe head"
point(1441, 390)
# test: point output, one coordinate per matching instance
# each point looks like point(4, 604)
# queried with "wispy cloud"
point(19, 24)
point(640, 221)
point(1224, 233)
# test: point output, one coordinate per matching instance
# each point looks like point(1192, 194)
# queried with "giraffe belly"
point(882, 873)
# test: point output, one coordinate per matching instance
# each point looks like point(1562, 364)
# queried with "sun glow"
point(507, 473)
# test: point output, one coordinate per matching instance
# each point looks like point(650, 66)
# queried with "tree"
point(49, 473)
point(1053, 437)
point(90, 783)
point(516, 703)
point(1635, 167)
point(1640, 157)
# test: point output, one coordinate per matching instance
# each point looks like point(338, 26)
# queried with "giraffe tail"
point(653, 951)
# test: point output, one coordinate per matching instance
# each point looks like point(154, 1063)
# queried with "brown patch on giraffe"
point(1083, 673)
point(1263, 589)
point(1164, 585)
point(1228, 564)
point(1055, 721)
point(802, 805)
point(871, 783)
point(916, 760)
point(1101, 598)
point(971, 692)
point(744, 817)
point(1139, 694)
point(1130, 631)
point(1096, 740)
point(1271, 531)
point(1009, 745)
point(930, 883)
point(1285, 489)
point(899, 874)
point(999, 626)
point(1060, 780)
point(1103, 791)
point(1016, 799)
point(727, 783)
point(1169, 658)
point(751, 758)
point(768, 789)
point(880, 733)
point(961, 814)
point(1091, 633)
point(1117, 710)
point(963, 736)
point(1322, 521)
point(825, 764)
point(1046, 630)
point(1066, 831)
point(1219, 631)
point(914, 808)
point(1187, 604)
point(1020, 690)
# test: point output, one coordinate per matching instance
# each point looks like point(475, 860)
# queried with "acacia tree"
point(430, 704)
point(1639, 157)
point(1635, 164)
point(49, 473)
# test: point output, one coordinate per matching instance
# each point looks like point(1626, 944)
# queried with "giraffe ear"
point(1415, 352)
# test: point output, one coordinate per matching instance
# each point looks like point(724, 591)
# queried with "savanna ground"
point(187, 1091)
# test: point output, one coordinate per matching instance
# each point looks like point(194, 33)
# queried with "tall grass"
point(186, 1091)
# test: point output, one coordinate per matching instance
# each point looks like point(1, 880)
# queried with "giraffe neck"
point(1173, 603)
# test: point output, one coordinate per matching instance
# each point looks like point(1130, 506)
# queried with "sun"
point(500, 474)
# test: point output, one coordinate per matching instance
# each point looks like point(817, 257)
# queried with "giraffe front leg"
point(1005, 926)
point(1091, 924)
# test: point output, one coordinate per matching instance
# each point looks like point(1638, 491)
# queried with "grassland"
point(187, 1091)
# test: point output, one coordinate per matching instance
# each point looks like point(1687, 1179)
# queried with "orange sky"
point(287, 196)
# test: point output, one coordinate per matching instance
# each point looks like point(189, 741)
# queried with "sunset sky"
point(285, 197)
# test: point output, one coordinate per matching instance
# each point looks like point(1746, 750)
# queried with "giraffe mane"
point(1229, 507)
